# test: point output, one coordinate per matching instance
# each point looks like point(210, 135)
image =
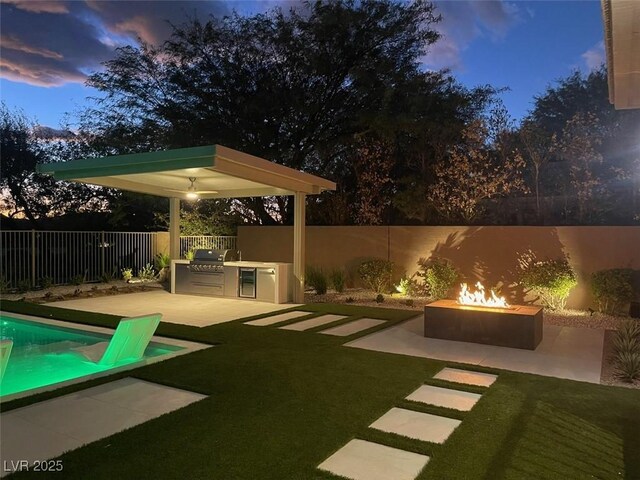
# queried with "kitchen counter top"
point(251, 264)
point(247, 263)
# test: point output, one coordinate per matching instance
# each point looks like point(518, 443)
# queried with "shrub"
point(4, 284)
point(338, 279)
point(46, 282)
point(627, 351)
point(147, 273)
point(552, 280)
point(190, 254)
point(439, 276)
point(407, 286)
point(612, 289)
point(317, 280)
point(379, 298)
point(24, 285)
point(106, 277)
point(376, 274)
point(127, 274)
point(162, 260)
point(409, 302)
point(77, 280)
point(349, 300)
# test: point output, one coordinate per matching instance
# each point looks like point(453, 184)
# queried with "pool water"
point(42, 354)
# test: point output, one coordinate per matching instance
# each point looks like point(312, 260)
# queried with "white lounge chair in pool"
point(128, 342)
point(5, 350)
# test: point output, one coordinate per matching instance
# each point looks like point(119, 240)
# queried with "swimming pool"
point(43, 355)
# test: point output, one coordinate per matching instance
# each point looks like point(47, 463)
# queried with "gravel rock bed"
point(86, 290)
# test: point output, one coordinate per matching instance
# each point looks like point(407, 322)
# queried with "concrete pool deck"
point(47, 429)
point(191, 310)
point(565, 352)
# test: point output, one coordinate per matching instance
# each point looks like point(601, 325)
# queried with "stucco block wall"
point(488, 254)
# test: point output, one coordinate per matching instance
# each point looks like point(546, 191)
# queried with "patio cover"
point(622, 44)
point(220, 171)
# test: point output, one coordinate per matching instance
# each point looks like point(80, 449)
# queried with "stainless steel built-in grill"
point(206, 272)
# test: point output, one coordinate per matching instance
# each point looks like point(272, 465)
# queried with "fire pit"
point(478, 318)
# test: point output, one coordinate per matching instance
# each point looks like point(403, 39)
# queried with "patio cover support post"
point(298, 246)
point(174, 228)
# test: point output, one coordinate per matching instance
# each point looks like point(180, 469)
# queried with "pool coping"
point(186, 347)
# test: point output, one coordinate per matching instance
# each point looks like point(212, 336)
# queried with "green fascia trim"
point(164, 160)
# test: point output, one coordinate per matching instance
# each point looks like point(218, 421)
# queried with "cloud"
point(463, 22)
point(594, 57)
point(50, 43)
point(40, 6)
point(136, 19)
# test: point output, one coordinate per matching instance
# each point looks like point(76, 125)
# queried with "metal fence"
point(204, 241)
point(35, 257)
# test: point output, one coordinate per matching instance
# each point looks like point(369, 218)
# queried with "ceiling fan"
point(192, 192)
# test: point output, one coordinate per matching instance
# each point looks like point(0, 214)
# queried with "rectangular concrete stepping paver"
point(263, 322)
point(445, 397)
point(352, 327)
point(47, 429)
point(313, 322)
point(418, 425)
point(362, 460)
point(465, 376)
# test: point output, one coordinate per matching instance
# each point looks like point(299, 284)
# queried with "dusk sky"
point(48, 47)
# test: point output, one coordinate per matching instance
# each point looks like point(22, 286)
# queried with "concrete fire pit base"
point(518, 326)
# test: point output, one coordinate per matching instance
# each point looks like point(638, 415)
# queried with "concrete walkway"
point(565, 352)
point(185, 309)
point(47, 429)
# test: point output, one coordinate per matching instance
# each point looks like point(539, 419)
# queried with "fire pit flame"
point(478, 298)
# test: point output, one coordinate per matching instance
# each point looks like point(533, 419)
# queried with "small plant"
point(409, 302)
point(317, 280)
point(612, 289)
point(628, 366)
point(190, 254)
point(627, 351)
point(379, 298)
point(94, 288)
point(376, 274)
point(114, 288)
point(552, 280)
point(48, 295)
point(4, 284)
point(77, 280)
point(46, 282)
point(349, 300)
point(127, 274)
point(439, 276)
point(407, 286)
point(106, 277)
point(338, 279)
point(77, 292)
point(24, 285)
point(147, 273)
point(162, 260)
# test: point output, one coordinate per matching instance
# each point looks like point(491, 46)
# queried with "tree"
point(582, 135)
point(556, 112)
point(538, 147)
point(373, 162)
point(471, 174)
point(205, 217)
point(28, 194)
point(294, 87)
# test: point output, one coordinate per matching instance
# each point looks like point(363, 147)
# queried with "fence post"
point(102, 253)
point(33, 258)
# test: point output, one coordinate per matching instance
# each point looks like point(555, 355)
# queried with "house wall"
point(488, 254)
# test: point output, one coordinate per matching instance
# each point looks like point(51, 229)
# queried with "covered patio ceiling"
point(219, 172)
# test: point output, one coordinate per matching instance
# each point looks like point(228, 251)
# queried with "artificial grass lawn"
point(282, 401)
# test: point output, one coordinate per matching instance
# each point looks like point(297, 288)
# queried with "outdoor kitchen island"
point(245, 280)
